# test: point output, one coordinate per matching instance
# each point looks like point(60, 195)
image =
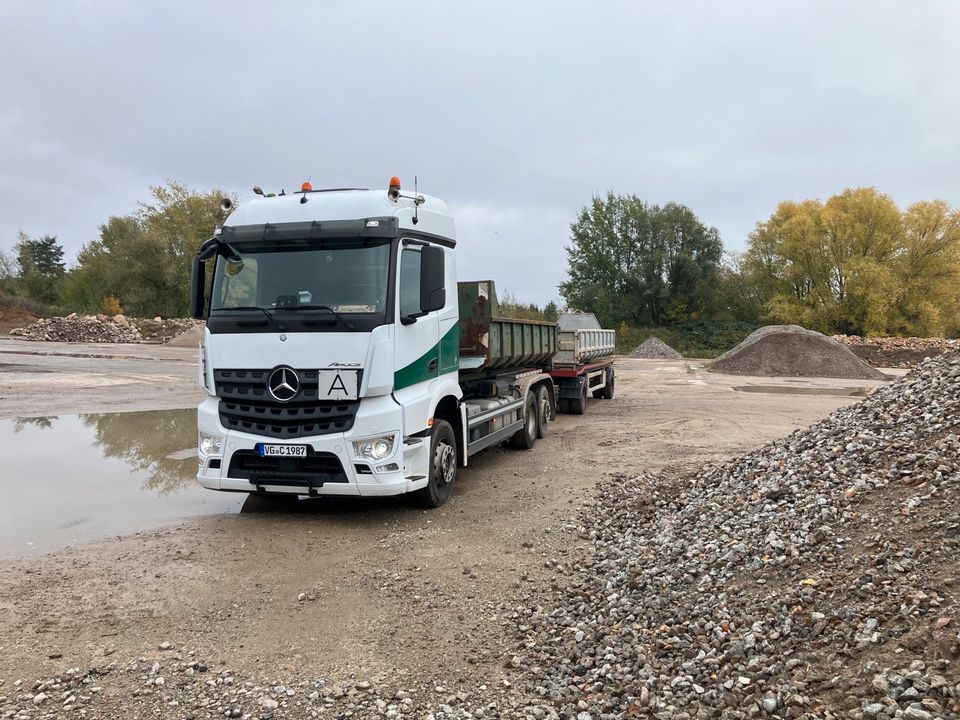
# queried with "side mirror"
point(433, 294)
point(198, 281)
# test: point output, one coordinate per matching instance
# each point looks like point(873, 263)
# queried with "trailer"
point(341, 356)
point(583, 365)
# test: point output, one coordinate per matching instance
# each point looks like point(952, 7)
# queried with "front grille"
point(246, 406)
point(314, 470)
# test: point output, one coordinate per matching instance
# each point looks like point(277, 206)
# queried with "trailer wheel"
point(578, 406)
point(607, 391)
point(543, 407)
point(443, 467)
point(525, 437)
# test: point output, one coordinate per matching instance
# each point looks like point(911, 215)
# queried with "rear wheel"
point(607, 392)
point(578, 406)
point(525, 437)
point(443, 467)
point(543, 411)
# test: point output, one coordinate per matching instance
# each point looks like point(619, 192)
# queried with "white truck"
point(342, 357)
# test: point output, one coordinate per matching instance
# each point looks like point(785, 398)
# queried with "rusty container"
point(489, 342)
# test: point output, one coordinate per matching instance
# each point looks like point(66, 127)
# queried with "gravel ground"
point(815, 577)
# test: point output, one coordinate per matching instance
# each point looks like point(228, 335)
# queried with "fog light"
point(390, 467)
point(375, 448)
point(210, 444)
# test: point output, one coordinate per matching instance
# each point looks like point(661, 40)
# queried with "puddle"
point(76, 478)
point(788, 390)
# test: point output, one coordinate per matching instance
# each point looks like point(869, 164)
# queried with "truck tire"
point(607, 391)
point(525, 437)
point(543, 411)
point(578, 406)
point(442, 468)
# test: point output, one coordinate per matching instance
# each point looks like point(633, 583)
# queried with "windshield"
point(345, 277)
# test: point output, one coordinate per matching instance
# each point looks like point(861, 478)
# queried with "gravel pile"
point(815, 577)
point(81, 328)
point(107, 329)
point(897, 352)
point(653, 348)
point(171, 684)
point(792, 351)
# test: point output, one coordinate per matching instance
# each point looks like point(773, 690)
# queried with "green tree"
point(633, 262)
point(551, 311)
point(143, 259)
point(39, 267)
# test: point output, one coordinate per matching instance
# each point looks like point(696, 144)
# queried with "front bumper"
point(375, 416)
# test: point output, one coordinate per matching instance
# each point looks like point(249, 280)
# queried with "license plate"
point(338, 384)
point(282, 450)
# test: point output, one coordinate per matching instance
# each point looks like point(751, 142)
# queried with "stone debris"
point(814, 577)
point(653, 348)
point(897, 352)
point(186, 688)
point(104, 329)
point(793, 351)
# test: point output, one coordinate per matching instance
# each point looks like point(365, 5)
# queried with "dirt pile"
point(816, 575)
point(791, 351)
point(191, 337)
point(106, 329)
point(80, 328)
point(653, 348)
point(897, 352)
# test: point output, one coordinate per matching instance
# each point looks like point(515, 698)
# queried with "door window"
point(410, 282)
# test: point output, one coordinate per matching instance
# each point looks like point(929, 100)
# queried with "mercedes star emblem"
point(283, 383)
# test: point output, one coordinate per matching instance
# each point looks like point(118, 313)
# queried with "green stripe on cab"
point(445, 354)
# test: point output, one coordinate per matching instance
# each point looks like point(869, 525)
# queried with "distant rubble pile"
point(897, 352)
point(815, 577)
point(793, 351)
point(80, 328)
point(104, 329)
point(653, 348)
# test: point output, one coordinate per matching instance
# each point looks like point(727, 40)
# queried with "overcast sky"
point(515, 113)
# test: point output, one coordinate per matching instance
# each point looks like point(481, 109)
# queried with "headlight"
point(210, 444)
point(375, 448)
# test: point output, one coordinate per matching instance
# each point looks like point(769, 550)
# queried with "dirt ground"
point(388, 591)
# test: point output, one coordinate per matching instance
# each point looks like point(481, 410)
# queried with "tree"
point(855, 264)
point(638, 263)
point(551, 311)
point(39, 267)
point(143, 259)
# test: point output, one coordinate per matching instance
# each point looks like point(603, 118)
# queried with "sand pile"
point(790, 351)
point(653, 348)
point(191, 337)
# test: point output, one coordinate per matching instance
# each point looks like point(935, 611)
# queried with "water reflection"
point(79, 477)
point(160, 442)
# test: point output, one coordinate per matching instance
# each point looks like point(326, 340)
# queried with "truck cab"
point(330, 353)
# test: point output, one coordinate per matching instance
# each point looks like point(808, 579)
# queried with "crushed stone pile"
point(791, 351)
point(107, 329)
point(897, 352)
point(80, 328)
point(815, 577)
point(653, 348)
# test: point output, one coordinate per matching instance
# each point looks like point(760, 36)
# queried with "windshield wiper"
point(329, 309)
point(266, 312)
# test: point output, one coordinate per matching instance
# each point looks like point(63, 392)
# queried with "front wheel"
point(443, 467)
point(578, 406)
point(607, 392)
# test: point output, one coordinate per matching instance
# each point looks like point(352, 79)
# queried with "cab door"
point(417, 344)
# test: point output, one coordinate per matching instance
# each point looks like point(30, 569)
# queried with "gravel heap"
point(107, 329)
point(173, 684)
point(898, 352)
point(81, 328)
point(815, 577)
point(789, 351)
point(654, 348)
